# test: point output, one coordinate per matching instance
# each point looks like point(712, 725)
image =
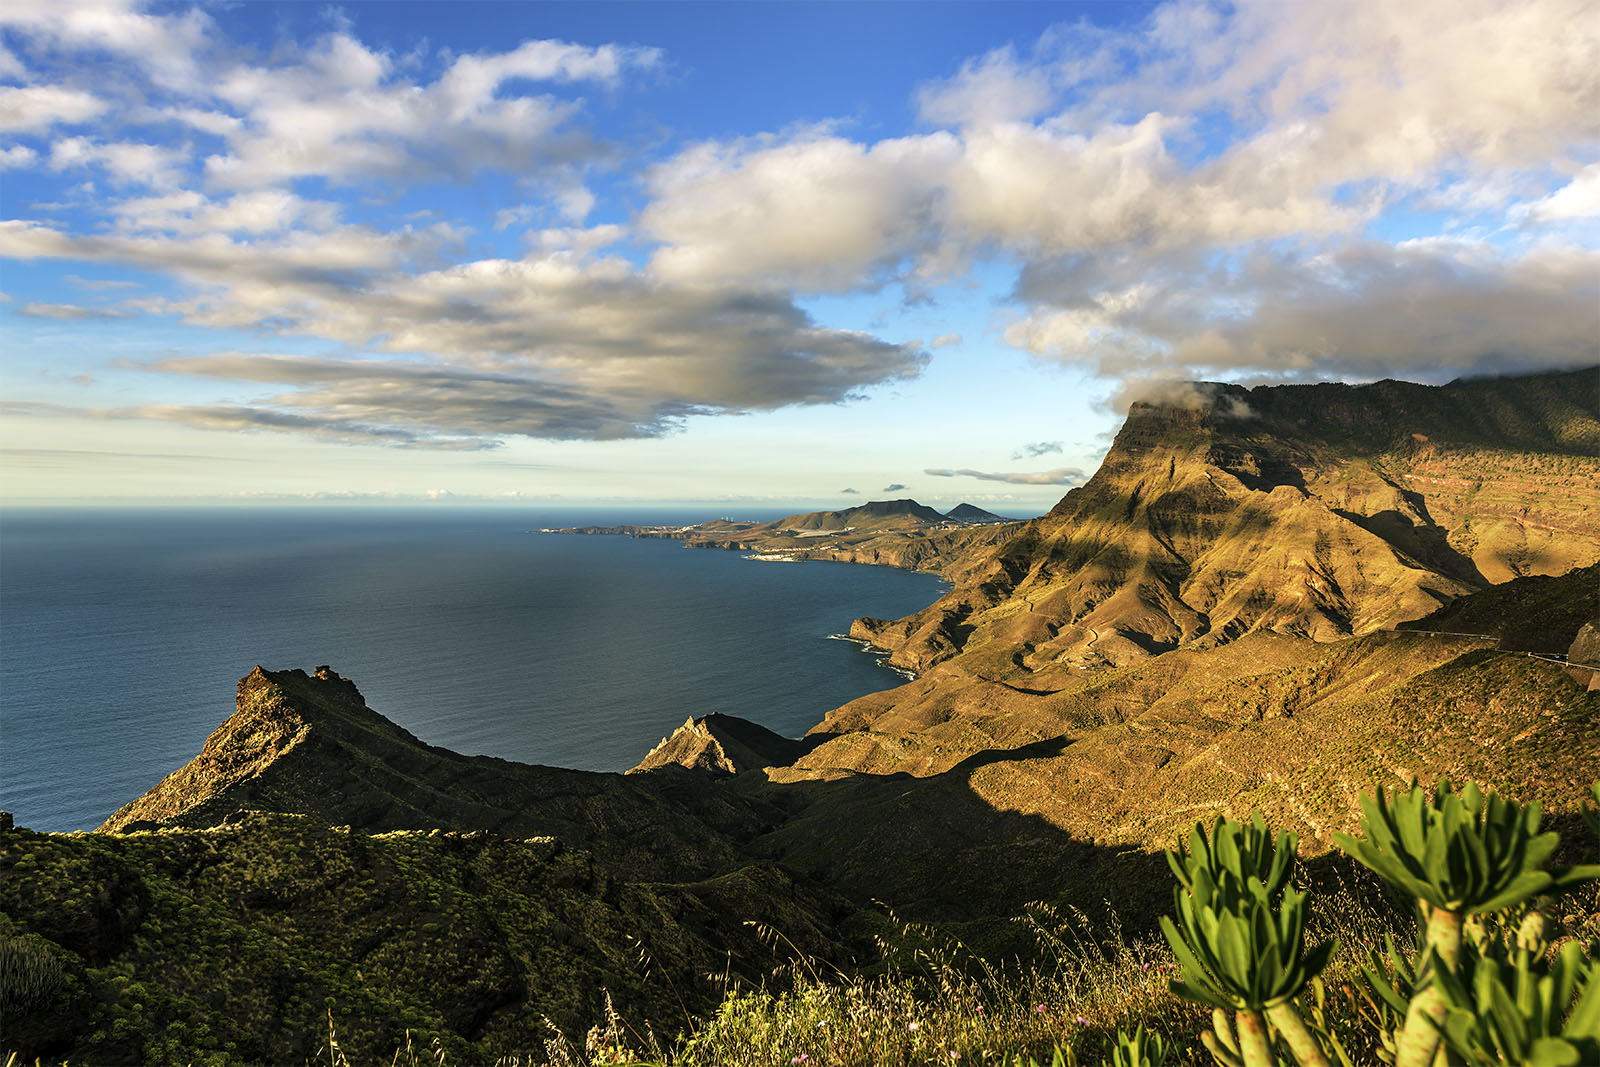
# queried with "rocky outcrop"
point(722, 744)
point(308, 744)
point(1583, 655)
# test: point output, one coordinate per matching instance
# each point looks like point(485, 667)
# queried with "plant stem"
point(1302, 1042)
point(1419, 1041)
point(1254, 1048)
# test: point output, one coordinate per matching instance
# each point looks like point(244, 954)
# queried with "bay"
point(123, 635)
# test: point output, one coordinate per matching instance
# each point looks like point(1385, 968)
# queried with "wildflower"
point(802, 1058)
point(912, 1025)
point(1082, 1021)
point(980, 1009)
point(1038, 1007)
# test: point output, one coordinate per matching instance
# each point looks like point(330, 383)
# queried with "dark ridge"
point(1532, 614)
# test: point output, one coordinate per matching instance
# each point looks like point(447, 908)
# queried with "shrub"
point(30, 972)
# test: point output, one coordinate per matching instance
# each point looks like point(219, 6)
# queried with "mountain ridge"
point(1299, 509)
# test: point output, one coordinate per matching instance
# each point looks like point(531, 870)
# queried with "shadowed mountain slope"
point(246, 942)
point(1535, 614)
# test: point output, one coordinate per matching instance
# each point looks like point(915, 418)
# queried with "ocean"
point(124, 633)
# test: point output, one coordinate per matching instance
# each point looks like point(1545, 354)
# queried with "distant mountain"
point(973, 514)
point(1322, 511)
point(879, 513)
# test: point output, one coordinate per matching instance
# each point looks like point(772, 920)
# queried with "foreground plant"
point(1472, 993)
point(1240, 938)
point(1514, 1001)
point(1458, 855)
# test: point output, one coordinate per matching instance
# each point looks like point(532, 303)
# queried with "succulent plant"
point(1390, 983)
point(1459, 854)
point(1239, 936)
point(1241, 851)
point(1462, 853)
point(1519, 1004)
point(1141, 1049)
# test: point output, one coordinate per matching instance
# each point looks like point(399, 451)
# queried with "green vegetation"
point(111, 945)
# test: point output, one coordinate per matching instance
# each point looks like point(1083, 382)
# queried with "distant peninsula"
point(894, 533)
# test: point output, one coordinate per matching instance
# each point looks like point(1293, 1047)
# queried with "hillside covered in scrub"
point(1274, 600)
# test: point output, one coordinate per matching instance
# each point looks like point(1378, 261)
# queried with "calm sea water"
point(123, 635)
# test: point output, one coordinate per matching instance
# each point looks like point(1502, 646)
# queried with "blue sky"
point(762, 253)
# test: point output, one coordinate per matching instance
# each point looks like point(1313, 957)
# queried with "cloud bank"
point(1257, 188)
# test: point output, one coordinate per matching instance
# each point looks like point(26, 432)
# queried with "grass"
point(933, 1002)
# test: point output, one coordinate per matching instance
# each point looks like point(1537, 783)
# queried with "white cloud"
point(164, 46)
point(255, 212)
point(36, 310)
point(552, 345)
point(35, 108)
point(1057, 476)
point(1146, 248)
point(17, 156)
point(126, 162)
point(1578, 199)
point(993, 88)
point(944, 340)
point(11, 66)
point(518, 215)
point(1362, 308)
point(1175, 393)
point(815, 212)
point(340, 111)
point(470, 83)
point(1035, 449)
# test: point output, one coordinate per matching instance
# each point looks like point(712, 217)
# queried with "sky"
point(753, 253)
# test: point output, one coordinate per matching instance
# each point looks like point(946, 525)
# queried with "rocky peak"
point(722, 745)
